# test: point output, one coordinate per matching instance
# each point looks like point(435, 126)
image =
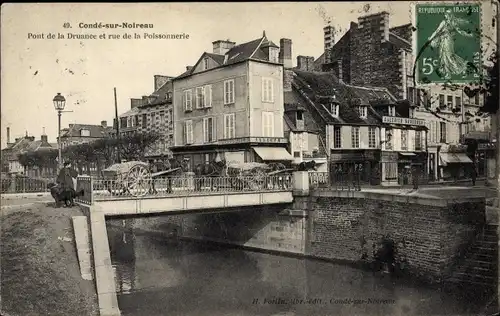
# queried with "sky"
point(85, 71)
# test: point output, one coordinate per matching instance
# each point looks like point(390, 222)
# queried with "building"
point(229, 105)
point(10, 155)
point(77, 134)
point(153, 113)
point(372, 47)
point(364, 129)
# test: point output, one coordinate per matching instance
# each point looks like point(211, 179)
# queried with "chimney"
point(104, 124)
point(376, 25)
point(135, 103)
point(8, 135)
point(329, 39)
point(160, 81)
point(285, 56)
point(305, 63)
point(287, 79)
point(221, 47)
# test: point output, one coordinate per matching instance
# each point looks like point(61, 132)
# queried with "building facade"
point(230, 105)
point(152, 114)
point(372, 47)
point(367, 130)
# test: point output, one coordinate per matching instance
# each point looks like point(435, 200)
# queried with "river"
point(158, 276)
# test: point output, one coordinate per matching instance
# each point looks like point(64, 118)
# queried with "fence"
point(103, 189)
point(25, 185)
point(335, 181)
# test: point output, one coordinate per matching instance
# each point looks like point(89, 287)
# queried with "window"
point(442, 131)
point(268, 124)
point(425, 99)
point(200, 97)
point(144, 120)
point(136, 120)
point(188, 106)
point(229, 126)
point(392, 110)
point(411, 95)
point(450, 102)
point(337, 137)
point(168, 96)
point(411, 112)
point(205, 63)
point(388, 139)
point(363, 111)
point(229, 91)
point(162, 118)
point(355, 136)
point(267, 90)
point(441, 100)
point(404, 139)
point(299, 116)
point(208, 130)
point(371, 137)
point(208, 96)
point(273, 54)
point(334, 109)
point(418, 140)
point(188, 132)
point(458, 102)
point(476, 99)
point(85, 132)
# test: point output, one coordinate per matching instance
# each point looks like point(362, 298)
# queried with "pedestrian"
point(66, 179)
point(415, 176)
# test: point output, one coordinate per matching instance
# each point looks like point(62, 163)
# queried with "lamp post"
point(59, 103)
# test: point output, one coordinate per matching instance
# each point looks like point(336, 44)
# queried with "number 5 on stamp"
point(448, 43)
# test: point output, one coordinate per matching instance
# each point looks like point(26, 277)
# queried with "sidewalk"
point(28, 195)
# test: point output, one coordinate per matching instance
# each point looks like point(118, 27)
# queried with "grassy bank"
point(40, 270)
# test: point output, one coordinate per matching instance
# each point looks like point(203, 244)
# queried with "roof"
point(399, 42)
point(294, 102)
point(317, 85)
point(96, 131)
point(38, 145)
point(239, 53)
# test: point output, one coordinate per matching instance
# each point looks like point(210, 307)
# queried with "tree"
point(133, 147)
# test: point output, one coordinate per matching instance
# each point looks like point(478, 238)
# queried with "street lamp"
point(59, 103)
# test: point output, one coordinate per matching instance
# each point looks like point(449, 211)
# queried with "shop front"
point(361, 165)
point(411, 165)
point(454, 163)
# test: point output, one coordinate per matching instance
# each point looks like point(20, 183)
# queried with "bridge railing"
point(24, 185)
point(84, 188)
point(335, 181)
point(184, 186)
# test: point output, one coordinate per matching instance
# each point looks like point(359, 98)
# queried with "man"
point(66, 181)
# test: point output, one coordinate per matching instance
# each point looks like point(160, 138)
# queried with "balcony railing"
point(103, 190)
point(310, 155)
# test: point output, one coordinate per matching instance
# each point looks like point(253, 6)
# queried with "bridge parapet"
point(96, 190)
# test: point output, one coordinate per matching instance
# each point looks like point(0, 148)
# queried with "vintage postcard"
point(298, 158)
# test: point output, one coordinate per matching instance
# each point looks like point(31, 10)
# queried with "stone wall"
point(428, 239)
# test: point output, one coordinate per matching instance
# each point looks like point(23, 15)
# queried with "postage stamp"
point(448, 42)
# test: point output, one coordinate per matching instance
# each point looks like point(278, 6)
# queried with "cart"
point(132, 177)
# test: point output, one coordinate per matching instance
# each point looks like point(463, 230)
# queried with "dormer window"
point(299, 116)
point(334, 109)
point(85, 133)
point(273, 54)
point(205, 63)
point(363, 111)
point(392, 110)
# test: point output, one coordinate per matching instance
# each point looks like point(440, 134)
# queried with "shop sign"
point(402, 121)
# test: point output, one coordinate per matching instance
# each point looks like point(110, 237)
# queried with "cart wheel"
point(138, 180)
point(259, 178)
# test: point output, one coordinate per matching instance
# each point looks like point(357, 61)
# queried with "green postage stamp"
point(448, 40)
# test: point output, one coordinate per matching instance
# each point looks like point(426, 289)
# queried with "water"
point(157, 276)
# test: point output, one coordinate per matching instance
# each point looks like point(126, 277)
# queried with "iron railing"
point(334, 181)
point(24, 185)
point(103, 189)
point(84, 190)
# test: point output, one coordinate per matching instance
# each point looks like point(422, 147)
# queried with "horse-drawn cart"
point(133, 177)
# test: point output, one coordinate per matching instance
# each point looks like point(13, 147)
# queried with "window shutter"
point(226, 92)
point(264, 90)
point(208, 96)
point(205, 134)
point(271, 124)
point(214, 129)
point(271, 90)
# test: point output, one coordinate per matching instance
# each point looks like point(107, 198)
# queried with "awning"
point(447, 158)
point(407, 154)
point(272, 153)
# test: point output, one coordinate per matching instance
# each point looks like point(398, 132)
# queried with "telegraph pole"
point(117, 130)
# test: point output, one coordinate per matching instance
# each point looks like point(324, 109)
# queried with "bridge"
point(182, 194)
